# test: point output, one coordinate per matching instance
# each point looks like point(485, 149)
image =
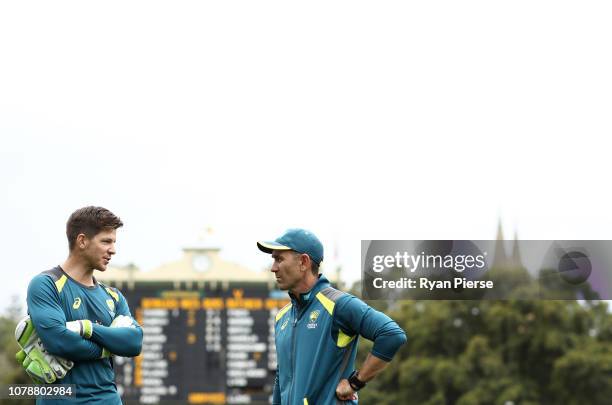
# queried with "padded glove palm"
point(40, 365)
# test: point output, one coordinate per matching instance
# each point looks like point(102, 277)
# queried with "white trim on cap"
point(270, 246)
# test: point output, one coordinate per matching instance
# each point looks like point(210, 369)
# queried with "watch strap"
point(355, 383)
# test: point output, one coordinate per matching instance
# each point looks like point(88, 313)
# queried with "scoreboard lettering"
point(212, 345)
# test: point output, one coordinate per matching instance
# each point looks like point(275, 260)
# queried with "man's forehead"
point(106, 233)
point(278, 253)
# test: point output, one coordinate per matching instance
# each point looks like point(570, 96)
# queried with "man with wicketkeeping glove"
point(78, 320)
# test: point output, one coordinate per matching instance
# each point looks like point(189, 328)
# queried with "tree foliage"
point(522, 351)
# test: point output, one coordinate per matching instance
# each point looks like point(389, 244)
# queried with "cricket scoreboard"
point(209, 345)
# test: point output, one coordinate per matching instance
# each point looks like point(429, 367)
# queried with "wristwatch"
point(354, 381)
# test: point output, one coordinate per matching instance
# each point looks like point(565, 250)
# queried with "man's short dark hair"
point(90, 221)
point(315, 265)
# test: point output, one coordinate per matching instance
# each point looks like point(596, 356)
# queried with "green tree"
point(525, 351)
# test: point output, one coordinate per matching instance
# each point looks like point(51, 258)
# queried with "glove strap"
point(86, 328)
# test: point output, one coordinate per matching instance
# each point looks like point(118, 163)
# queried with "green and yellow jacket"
point(54, 298)
point(316, 343)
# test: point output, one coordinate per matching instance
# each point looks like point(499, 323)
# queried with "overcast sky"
point(357, 120)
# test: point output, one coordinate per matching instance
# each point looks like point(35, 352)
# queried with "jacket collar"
point(307, 297)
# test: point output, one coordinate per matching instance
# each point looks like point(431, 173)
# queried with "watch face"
point(201, 263)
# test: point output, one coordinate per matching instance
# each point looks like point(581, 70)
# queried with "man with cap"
point(316, 334)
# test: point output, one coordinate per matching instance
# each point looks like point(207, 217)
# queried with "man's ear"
point(305, 261)
point(81, 241)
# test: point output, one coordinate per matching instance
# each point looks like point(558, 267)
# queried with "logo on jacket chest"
point(312, 319)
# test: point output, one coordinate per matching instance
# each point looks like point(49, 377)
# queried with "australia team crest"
point(312, 319)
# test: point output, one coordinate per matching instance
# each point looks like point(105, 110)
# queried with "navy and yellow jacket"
point(316, 343)
point(54, 298)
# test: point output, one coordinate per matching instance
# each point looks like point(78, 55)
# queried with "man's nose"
point(112, 250)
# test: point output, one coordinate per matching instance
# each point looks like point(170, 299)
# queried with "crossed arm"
point(50, 322)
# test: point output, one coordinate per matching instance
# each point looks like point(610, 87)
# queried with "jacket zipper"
point(295, 319)
point(298, 314)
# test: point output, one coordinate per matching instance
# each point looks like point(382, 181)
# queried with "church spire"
point(500, 258)
point(516, 254)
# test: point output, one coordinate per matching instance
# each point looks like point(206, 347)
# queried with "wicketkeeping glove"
point(123, 321)
point(39, 364)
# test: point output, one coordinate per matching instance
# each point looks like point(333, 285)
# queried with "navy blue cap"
point(300, 240)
